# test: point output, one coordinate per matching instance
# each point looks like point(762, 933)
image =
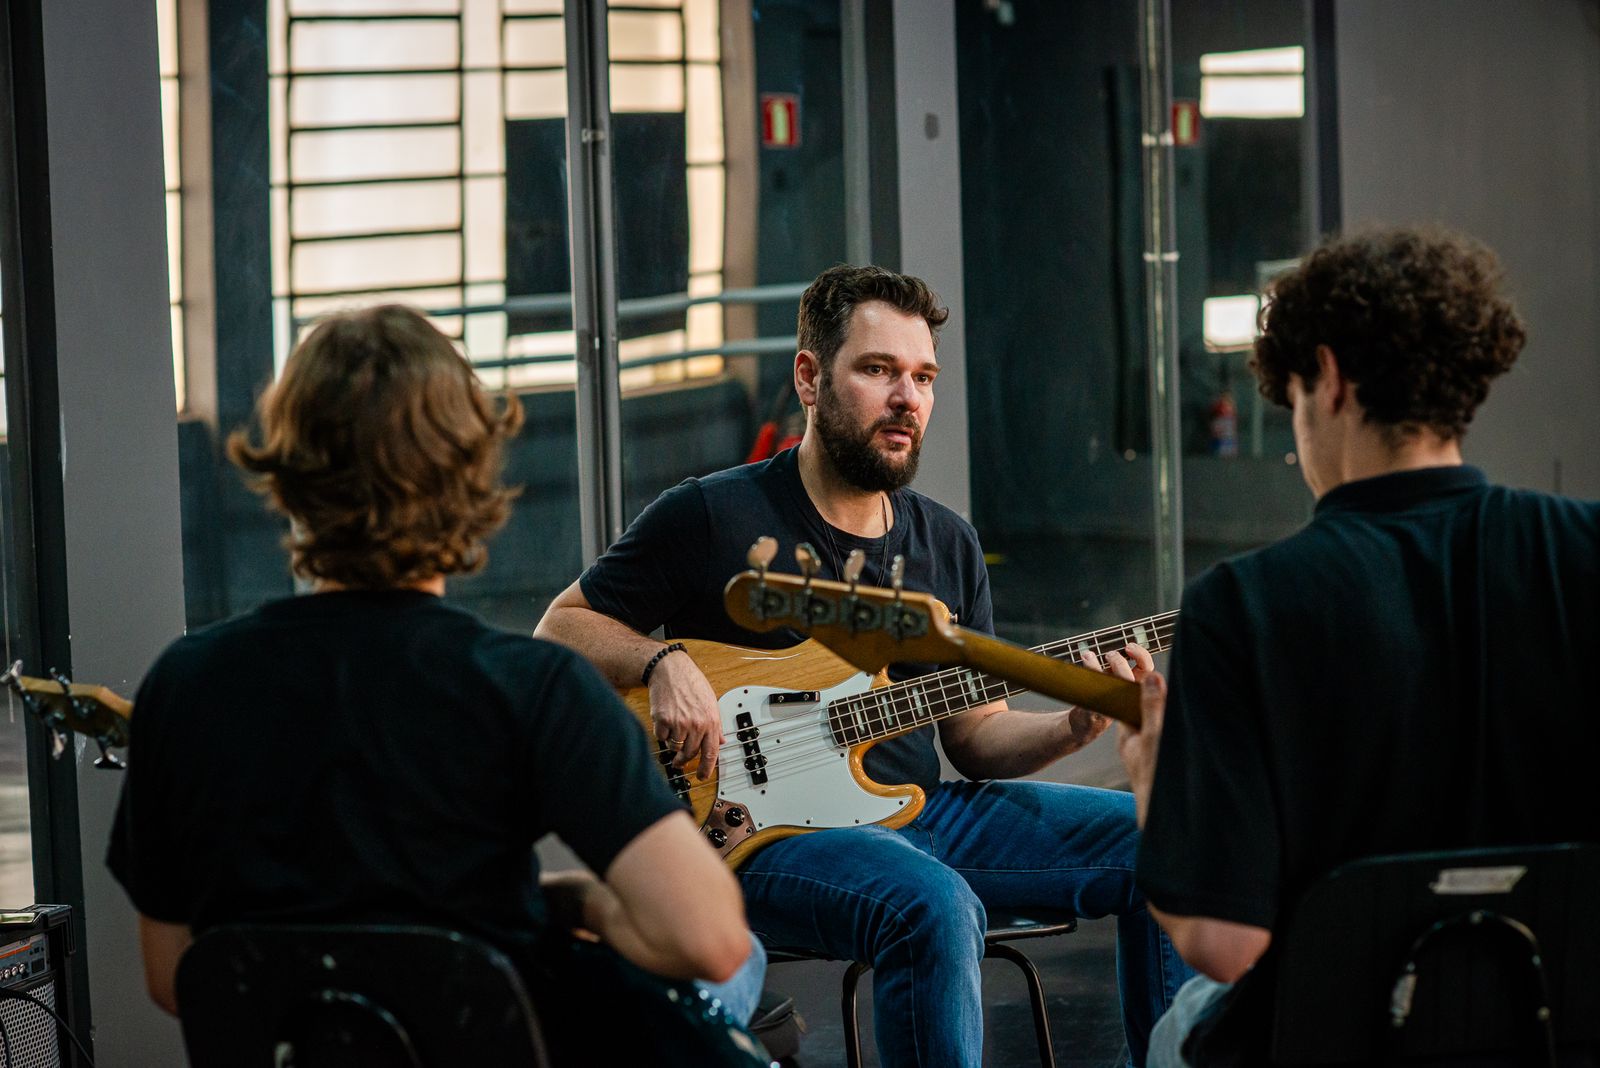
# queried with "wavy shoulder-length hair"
point(380, 446)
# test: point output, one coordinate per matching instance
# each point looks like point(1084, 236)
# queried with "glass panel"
point(1243, 213)
point(647, 87)
point(705, 114)
point(371, 7)
point(349, 155)
point(375, 263)
point(371, 44)
point(354, 100)
point(645, 36)
point(700, 30)
point(536, 42)
point(361, 209)
point(1056, 364)
point(536, 96)
point(702, 206)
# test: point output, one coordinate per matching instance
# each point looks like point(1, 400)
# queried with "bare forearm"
point(1007, 744)
point(605, 915)
point(1221, 949)
point(618, 651)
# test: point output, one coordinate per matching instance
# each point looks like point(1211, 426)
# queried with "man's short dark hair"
point(380, 444)
point(830, 301)
point(1414, 317)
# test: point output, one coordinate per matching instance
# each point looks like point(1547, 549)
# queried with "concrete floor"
point(1079, 973)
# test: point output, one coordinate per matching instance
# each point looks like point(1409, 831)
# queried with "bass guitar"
point(799, 721)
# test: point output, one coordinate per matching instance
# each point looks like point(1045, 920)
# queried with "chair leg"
point(1041, 1017)
point(852, 1025)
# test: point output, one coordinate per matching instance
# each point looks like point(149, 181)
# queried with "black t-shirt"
point(1327, 694)
point(373, 757)
point(669, 568)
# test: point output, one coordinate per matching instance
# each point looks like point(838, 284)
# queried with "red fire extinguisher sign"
point(780, 120)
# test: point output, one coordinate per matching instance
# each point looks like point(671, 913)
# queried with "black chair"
point(377, 996)
point(1488, 955)
point(1002, 931)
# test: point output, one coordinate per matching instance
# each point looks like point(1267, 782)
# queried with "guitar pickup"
point(795, 697)
point(754, 762)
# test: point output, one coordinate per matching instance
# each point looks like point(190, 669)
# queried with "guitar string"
point(877, 722)
point(879, 713)
point(903, 696)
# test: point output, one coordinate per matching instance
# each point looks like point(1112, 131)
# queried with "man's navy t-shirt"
point(668, 570)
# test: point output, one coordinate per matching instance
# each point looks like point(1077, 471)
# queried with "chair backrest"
point(378, 996)
point(1442, 954)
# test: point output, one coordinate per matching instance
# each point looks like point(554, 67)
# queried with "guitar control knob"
point(734, 816)
point(718, 836)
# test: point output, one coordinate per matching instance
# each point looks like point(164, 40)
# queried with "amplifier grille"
point(30, 1034)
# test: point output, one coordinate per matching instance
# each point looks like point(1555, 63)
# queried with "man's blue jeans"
point(912, 904)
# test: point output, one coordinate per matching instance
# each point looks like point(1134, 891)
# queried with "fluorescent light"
point(1256, 61)
point(1230, 322)
point(1269, 96)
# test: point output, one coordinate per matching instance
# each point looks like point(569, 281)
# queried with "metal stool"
point(1004, 928)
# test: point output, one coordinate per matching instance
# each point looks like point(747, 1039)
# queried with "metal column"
point(591, 216)
point(1161, 297)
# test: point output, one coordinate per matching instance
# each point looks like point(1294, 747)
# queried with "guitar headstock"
point(872, 627)
point(65, 706)
point(866, 625)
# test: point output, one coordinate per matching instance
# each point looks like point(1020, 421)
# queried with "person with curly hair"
point(1363, 686)
point(366, 753)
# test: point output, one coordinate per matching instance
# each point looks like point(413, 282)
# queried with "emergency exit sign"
point(780, 120)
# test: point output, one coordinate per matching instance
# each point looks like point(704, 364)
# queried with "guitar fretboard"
point(905, 706)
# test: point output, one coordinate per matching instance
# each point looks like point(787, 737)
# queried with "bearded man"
point(911, 902)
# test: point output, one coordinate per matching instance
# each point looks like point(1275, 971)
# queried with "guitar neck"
point(905, 706)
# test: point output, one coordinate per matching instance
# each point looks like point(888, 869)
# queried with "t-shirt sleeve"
point(590, 766)
point(144, 854)
point(1210, 844)
point(980, 608)
point(658, 563)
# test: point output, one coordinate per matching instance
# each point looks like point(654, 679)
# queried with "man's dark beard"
point(852, 453)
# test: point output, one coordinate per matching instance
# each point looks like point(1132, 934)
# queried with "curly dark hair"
point(1414, 317)
point(380, 445)
point(829, 302)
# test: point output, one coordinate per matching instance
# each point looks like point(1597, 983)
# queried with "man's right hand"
point(685, 712)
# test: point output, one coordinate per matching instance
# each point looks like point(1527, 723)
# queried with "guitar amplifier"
point(34, 946)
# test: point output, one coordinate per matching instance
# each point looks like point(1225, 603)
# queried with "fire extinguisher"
point(1224, 423)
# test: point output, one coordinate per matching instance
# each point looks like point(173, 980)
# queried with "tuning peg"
point(897, 573)
point(761, 553)
point(852, 567)
point(810, 563)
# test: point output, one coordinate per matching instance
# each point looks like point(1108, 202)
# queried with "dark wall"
point(1481, 115)
point(1046, 218)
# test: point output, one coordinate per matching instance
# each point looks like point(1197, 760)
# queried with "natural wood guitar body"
point(741, 677)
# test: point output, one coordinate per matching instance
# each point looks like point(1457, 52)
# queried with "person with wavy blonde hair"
point(367, 753)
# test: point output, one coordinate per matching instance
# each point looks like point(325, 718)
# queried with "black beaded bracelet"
point(675, 647)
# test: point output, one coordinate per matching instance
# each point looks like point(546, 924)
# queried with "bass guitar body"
point(782, 770)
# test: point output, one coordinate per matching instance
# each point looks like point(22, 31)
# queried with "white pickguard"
point(809, 783)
